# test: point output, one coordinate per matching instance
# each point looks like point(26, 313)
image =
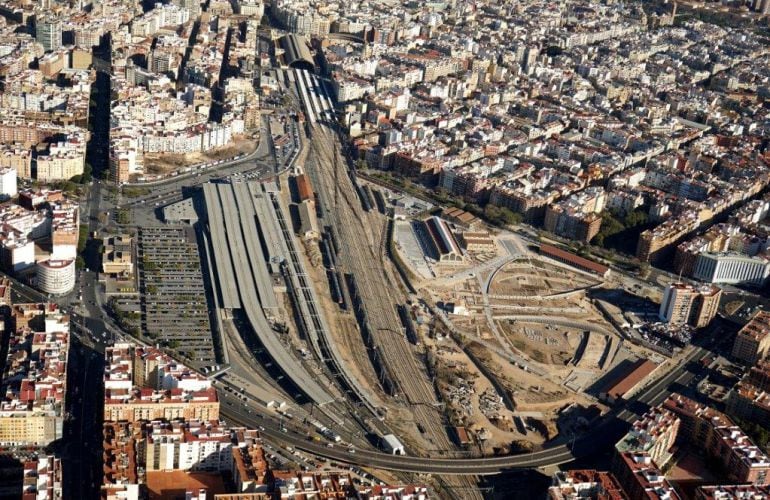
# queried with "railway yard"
point(344, 307)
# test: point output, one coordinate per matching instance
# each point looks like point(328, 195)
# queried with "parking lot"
point(173, 295)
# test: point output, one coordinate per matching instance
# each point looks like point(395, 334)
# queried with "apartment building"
point(585, 483)
point(641, 478)
point(752, 343)
point(35, 377)
point(42, 478)
point(188, 445)
point(145, 384)
point(687, 304)
point(719, 437)
point(577, 217)
point(654, 434)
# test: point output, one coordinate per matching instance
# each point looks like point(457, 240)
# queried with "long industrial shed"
point(241, 266)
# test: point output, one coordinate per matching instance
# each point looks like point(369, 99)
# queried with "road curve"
point(604, 434)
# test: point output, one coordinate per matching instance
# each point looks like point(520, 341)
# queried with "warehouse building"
point(442, 241)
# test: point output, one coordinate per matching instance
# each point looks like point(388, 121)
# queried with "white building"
point(197, 447)
point(16, 252)
point(8, 188)
point(731, 268)
point(392, 444)
point(56, 276)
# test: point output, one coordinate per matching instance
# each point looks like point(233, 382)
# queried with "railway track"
point(360, 257)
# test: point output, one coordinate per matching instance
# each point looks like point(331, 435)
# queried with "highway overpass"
point(603, 435)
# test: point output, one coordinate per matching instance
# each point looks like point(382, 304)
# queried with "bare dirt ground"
point(166, 163)
point(534, 277)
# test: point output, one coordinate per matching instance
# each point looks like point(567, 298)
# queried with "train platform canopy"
point(297, 52)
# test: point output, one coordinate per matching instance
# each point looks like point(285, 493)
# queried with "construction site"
point(522, 347)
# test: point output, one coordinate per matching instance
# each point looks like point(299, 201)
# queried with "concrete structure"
point(48, 31)
point(731, 268)
point(8, 187)
point(687, 304)
point(392, 444)
point(56, 277)
point(752, 342)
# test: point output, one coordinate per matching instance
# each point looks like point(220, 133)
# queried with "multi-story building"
point(655, 434)
point(731, 268)
point(752, 342)
point(42, 479)
point(35, 377)
point(48, 31)
point(55, 276)
point(653, 242)
point(122, 479)
point(687, 304)
point(7, 182)
point(585, 483)
point(750, 398)
point(719, 437)
point(577, 217)
point(60, 164)
point(18, 159)
point(641, 478)
point(163, 389)
point(194, 446)
point(732, 492)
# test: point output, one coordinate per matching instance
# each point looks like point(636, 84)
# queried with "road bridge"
point(610, 429)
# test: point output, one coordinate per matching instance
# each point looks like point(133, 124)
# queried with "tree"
point(509, 216)
point(123, 217)
point(82, 238)
point(636, 218)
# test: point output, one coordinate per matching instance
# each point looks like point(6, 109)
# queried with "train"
point(366, 202)
point(325, 431)
point(379, 200)
point(328, 258)
point(335, 287)
point(408, 322)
